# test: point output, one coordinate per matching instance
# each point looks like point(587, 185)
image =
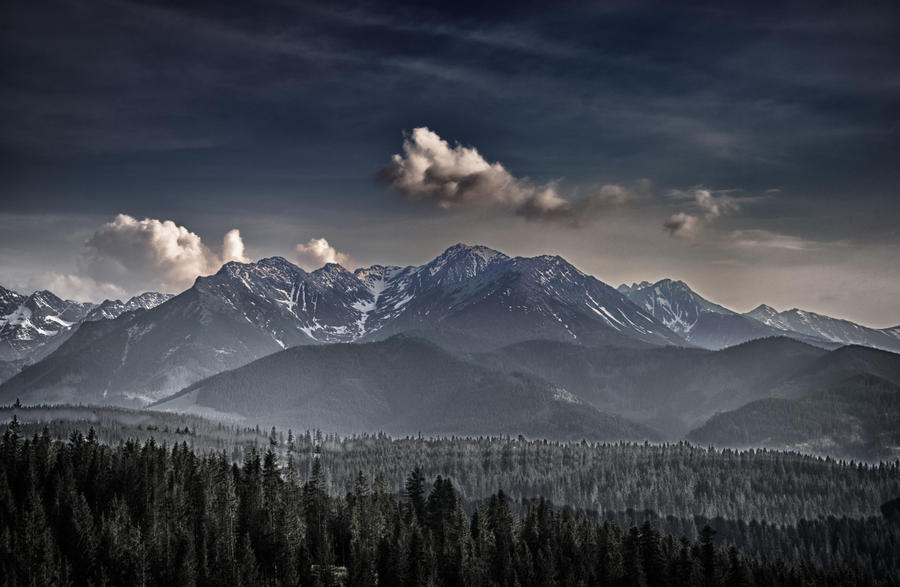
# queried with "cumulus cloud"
point(710, 207)
point(615, 194)
point(682, 225)
point(431, 169)
point(318, 252)
point(127, 256)
point(713, 206)
point(233, 247)
point(138, 255)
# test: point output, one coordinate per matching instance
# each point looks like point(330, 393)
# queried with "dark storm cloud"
point(702, 88)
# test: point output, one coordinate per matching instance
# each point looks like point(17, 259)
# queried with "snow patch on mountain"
point(562, 395)
point(36, 321)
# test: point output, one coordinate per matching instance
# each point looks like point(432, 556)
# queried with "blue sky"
point(754, 146)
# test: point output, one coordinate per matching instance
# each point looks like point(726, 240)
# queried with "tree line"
point(82, 512)
point(680, 480)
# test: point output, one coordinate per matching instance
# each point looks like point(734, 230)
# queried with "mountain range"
point(401, 385)
point(711, 326)
point(563, 390)
point(835, 330)
point(32, 327)
point(544, 337)
point(28, 323)
point(467, 298)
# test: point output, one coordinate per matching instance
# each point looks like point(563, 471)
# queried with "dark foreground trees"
point(80, 512)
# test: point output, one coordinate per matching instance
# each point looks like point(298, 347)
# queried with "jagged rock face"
point(9, 301)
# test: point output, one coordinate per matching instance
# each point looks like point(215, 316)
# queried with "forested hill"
point(402, 385)
point(80, 512)
point(679, 480)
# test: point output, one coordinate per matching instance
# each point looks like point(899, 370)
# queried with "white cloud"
point(614, 194)
point(127, 256)
point(682, 225)
point(318, 252)
point(430, 169)
point(233, 247)
point(685, 225)
point(772, 240)
point(151, 254)
point(714, 206)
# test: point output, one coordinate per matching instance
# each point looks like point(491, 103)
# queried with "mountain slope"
point(39, 324)
point(718, 331)
point(243, 312)
point(854, 417)
point(739, 396)
point(711, 326)
point(838, 365)
point(826, 328)
point(9, 301)
point(672, 302)
point(141, 356)
point(671, 389)
point(402, 385)
point(695, 318)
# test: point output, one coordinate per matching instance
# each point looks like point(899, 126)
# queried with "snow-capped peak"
point(147, 300)
point(461, 262)
point(826, 328)
point(672, 302)
point(767, 315)
point(37, 319)
point(111, 309)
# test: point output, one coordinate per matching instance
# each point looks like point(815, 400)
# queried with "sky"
point(748, 149)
